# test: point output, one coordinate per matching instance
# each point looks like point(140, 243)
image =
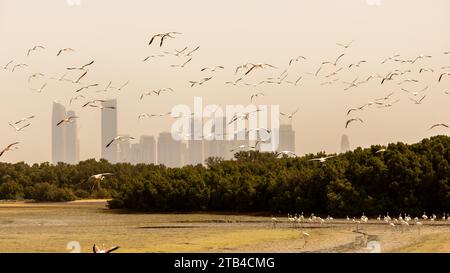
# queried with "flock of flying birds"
point(76, 75)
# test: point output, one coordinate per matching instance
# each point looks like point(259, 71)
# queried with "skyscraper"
point(58, 133)
point(345, 144)
point(143, 152)
point(71, 140)
point(124, 155)
point(213, 146)
point(109, 131)
point(136, 153)
point(287, 138)
point(195, 148)
point(65, 143)
point(170, 151)
point(148, 150)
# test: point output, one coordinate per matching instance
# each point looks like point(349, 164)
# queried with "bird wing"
point(187, 61)
point(78, 80)
point(250, 70)
point(109, 144)
point(95, 249)
point(195, 49)
point(125, 84)
point(295, 112)
point(114, 248)
point(6, 66)
point(86, 104)
point(12, 144)
point(340, 56)
point(84, 66)
point(43, 86)
point(8, 147)
point(351, 110)
point(442, 75)
point(81, 89)
point(406, 90)
point(13, 126)
point(151, 40)
point(269, 65)
point(348, 122)
point(318, 70)
point(413, 100)
point(25, 126)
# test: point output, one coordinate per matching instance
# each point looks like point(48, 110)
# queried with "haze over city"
point(230, 33)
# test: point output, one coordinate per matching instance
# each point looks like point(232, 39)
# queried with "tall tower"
point(109, 130)
point(195, 148)
point(345, 144)
point(148, 150)
point(287, 138)
point(211, 145)
point(170, 151)
point(124, 150)
point(71, 141)
point(58, 133)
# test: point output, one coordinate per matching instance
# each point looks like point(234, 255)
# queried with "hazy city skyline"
point(149, 150)
point(116, 33)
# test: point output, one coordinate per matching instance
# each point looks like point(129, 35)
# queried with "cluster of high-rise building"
point(65, 143)
point(149, 150)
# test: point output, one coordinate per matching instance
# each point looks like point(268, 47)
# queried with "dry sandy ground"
point(31, 227)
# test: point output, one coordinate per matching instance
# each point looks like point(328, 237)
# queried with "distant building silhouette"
point(287, 138)
point(58, 134)
point(124, 153)
point(171, 152)
point(147, 146)
point(65, 143)
point(184, 156)
point(136, 153)
point(195, 148)
point(71, 140)
point(109, 131)
point(345, 144)
point(214, 143)
point(231, 145)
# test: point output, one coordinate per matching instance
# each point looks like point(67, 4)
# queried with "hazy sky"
point(116, 34)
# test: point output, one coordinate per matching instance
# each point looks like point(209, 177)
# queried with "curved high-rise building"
point(58, 134)
point(345, 144)
point(71, 140)
point(109, 131)
point(65, 144)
